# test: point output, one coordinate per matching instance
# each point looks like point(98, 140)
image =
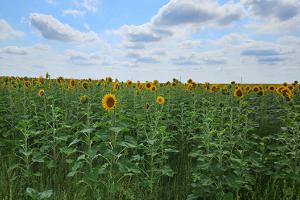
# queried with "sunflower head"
point(109, 102)
point(248, 88)
point(256, 89)
point(291, 87)
point(116, 86)
point(85, 84)
point(128, 83)
point(83, 99)
point(27, 84)
point(287, 93)
point(41, 92)
point(214, 88)
point(160, 100)
point(139, 86)
point(153, 88)
point(148, 85)
point(271, 88)
point(147, 106)
point(40, 80)
point(190, 81)
point(72, 83)
point(108, 79)
point(238, 92)
point(60, 80)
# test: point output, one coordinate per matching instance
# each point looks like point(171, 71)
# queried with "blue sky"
point(206, 40)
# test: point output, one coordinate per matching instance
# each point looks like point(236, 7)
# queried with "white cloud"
point(91, 5)
point(189, 44)
point(73, 12)
point(87, 5)
point(13, 50)
point(23, 51)
point(82, 58)
point(181, 17)
point(281, 10)
point(143, 33)
point(197, 12)
point(273, 16)
point(7, 32)
point(53, 29)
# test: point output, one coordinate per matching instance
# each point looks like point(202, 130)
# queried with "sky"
point(248, 41)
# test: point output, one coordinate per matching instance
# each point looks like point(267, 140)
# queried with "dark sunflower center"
point(239, 93)
point(110, 102)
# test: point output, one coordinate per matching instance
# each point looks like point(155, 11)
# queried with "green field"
point(58, 142)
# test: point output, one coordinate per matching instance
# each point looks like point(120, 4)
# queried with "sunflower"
point(72, 83)
point(116, 86)
point(139, 86)
point(214, 88)
point(40, 80)
point(190, 81)
point(189, 86)
point(271, 88)
point(128, 83)
point(109, 102)
point(291, 87)
point(148, 85)
point(287, 93)
point(83, 99)
point(238, 93)
point(156, 82)
point(224, 90)
point(248, 88)
point(85, 84)
point(108, 79)
point(27, 84)
point(41, 92)
point(160, 100)
point(60, 80)
point(256, 89)
point(153, 88)
point(147, 106)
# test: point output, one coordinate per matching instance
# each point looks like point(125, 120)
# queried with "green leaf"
point(82, 157)
point(32, 193)
point(167, 171)
point(74, 142)
point(228, 196)
point(46, 194)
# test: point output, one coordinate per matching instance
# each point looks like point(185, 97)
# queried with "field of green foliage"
point(106, 140)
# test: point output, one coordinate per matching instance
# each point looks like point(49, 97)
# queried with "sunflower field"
point(69, 139)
